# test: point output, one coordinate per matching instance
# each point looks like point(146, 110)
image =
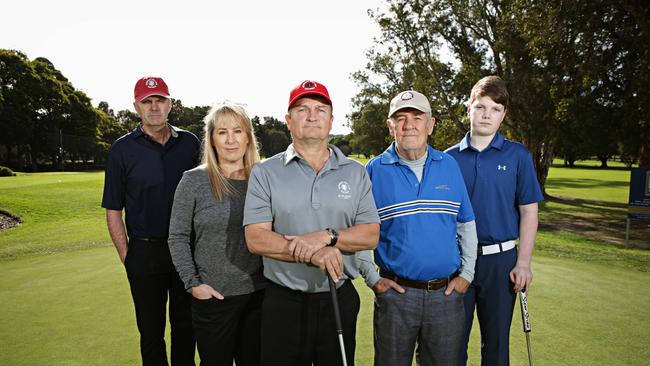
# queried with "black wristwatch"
point(334, 237)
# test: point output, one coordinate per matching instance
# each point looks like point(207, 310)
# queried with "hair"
point(493, 87)
point(237, 115)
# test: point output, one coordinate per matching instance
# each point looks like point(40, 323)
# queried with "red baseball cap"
point(308, 87)
point(150, 85)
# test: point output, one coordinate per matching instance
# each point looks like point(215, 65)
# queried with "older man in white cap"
point(427, 245)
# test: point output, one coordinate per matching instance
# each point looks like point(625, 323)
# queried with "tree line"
point(578, 72)
point(47, 124)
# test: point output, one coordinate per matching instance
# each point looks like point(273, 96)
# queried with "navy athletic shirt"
point(142, 175)
point(498, 179)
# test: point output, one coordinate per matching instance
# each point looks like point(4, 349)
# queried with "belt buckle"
point(431, 284)
point(480, 250)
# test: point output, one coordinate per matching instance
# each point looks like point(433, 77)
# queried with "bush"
point(6, 172)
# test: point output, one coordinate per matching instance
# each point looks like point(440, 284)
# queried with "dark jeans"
point(152, 278)
point(228, 329)
point(298, 328)
point(492, 294)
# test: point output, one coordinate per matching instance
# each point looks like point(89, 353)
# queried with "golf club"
point(337, 318)
point(525, 318)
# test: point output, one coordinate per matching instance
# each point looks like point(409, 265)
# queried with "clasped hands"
point(312, 248)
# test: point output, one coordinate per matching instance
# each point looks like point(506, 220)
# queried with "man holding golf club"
point(307, 211)
point(427, 244)
point(502, 184)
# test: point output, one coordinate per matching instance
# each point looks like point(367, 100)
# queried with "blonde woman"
point(207, 244)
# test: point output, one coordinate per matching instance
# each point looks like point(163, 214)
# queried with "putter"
point(337, 318)
point(525, 318)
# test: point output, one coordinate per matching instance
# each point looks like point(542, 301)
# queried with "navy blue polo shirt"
point(499, 179)
point(142, 175)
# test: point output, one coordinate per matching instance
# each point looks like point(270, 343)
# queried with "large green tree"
point(272, 135)
point(42, 115)
point(18, 81)
point(563, 65)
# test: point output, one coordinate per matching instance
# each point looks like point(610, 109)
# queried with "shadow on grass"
point(560, 183)
point(589, 167)
point(598, 220)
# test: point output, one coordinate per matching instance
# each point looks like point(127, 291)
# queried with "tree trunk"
point(603, 162)
point(644, 155)
point(8, 157)
point(542, 158)
point(30, 158)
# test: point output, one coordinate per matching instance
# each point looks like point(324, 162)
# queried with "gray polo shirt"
point(286, 191)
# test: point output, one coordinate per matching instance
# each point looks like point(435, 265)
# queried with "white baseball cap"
point(409, 99)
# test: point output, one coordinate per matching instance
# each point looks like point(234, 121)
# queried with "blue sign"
point(639, 208)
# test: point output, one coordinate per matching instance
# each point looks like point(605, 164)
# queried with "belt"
point(496, 248)
point(149, 240)
point(431, 285)
point(274, 287)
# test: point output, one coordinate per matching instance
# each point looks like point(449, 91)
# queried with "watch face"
point(334, 236)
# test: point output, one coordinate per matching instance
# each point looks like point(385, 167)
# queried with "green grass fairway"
point(593, 203)
point(60, 212)
point(610, 185)
point(64, 296)
point(79, 312)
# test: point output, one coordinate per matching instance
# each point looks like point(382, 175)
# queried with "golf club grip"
point(525, 316)
point(335, 303)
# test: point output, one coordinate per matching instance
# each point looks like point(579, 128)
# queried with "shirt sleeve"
point(180, 232)
point(367, 210)
point(367, 267)
point(528, 190)
point(467, 241)
point(114, 181)
point(257, 208)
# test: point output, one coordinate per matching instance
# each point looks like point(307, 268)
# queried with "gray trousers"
point(429, 319)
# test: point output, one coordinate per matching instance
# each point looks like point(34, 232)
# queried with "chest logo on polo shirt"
point(501, 167)
point(344, 190)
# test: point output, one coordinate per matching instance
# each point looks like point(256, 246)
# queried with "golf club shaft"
point(530, 355)
point(343, 356)
point(337, 318)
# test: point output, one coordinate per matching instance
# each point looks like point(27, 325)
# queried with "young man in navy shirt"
point(504, 191)
point(142, 172)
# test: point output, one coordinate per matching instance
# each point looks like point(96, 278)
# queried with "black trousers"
point(298, 328)
point(228, 329)
point(153, 278)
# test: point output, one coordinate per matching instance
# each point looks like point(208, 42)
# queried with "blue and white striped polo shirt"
point(418, 219)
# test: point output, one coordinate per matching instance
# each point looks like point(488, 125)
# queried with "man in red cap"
point(308, 210)
point(142, 172)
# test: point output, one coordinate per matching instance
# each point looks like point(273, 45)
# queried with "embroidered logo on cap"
point(309, 85)
point(151, 83)
point(407, 96)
